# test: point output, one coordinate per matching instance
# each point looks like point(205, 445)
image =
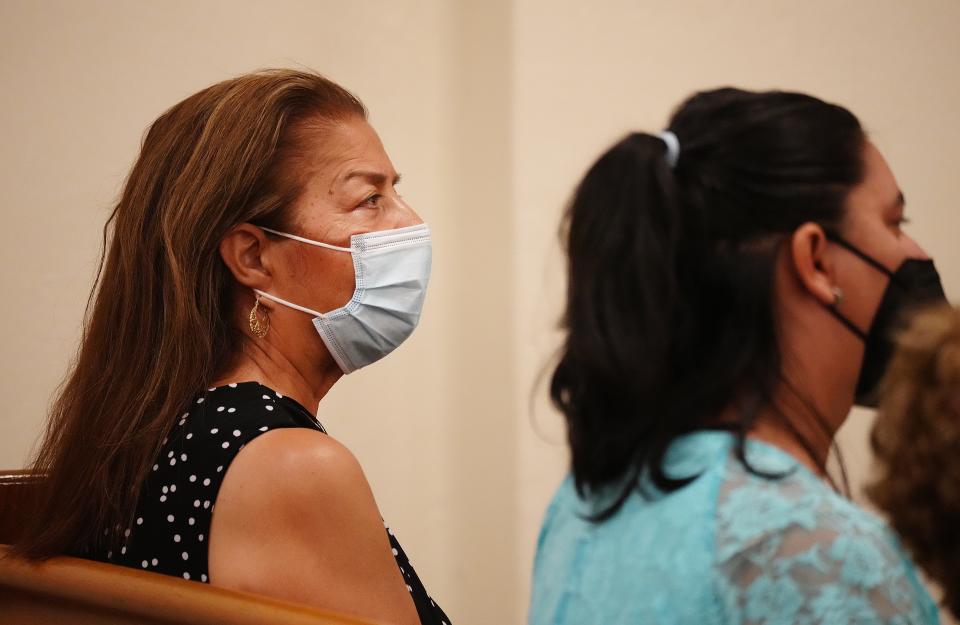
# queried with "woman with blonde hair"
point(259, 251)
point(917, 444)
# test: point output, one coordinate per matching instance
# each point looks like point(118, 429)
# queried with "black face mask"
point(914, 285)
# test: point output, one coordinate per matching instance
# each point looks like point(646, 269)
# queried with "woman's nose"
point(405, 215)
point(914, 250)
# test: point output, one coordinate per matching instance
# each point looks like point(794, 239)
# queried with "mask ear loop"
point(305, 240)
point(834, 310)
point(838, 293)
point(274, 298)
point(859, 254)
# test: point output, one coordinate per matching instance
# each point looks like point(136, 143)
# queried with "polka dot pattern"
point(172, 521)
point(430, 613)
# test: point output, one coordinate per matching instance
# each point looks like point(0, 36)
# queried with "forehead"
point(332, 151)
point(878, 190)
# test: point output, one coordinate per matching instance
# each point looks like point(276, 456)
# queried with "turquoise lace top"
point(730, 547)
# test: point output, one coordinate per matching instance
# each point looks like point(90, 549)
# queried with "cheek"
point(887, 245)
point(321, 280)
point(329, 278)
point(863, 288)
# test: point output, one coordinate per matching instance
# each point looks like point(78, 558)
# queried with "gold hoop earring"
point(837, 296)
point(259, 328)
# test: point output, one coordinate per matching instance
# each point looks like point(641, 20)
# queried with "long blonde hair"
point(158, 324)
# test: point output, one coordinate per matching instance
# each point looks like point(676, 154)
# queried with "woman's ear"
point(811, 262)
point(242, 251)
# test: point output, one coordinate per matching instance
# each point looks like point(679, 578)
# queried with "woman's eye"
point(372, 200)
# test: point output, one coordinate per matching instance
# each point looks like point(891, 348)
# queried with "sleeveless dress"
point(171, 527)
point(729, 548)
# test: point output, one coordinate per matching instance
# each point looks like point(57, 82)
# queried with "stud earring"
point(259, 328)
point(837, 296)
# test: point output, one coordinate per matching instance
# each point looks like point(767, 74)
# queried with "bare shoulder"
point(296, 519)
point(298, 452)
point(290, 470)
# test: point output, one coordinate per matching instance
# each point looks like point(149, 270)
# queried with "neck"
point(305, 382)
point(802, 432)
point(811, 405)
point(820, 361)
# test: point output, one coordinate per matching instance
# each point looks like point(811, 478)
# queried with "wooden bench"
point(73, 591)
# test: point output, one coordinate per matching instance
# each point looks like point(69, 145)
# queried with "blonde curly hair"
point(917, 444)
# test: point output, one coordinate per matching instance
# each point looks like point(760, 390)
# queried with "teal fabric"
point(731, 547)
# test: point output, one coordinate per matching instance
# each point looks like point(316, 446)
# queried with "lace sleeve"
point(789, 554)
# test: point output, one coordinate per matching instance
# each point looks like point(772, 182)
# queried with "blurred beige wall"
point(492, 110)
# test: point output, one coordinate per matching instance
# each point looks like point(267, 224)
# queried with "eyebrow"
point(376, 178)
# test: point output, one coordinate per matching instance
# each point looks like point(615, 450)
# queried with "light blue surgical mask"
point(391, 269)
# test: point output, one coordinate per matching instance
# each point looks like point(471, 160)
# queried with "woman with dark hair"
point(732, 285)
point(258, 252)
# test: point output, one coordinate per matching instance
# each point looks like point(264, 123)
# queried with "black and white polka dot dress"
point(171, 529)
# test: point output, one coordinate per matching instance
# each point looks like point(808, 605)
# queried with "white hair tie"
point(673, 147)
